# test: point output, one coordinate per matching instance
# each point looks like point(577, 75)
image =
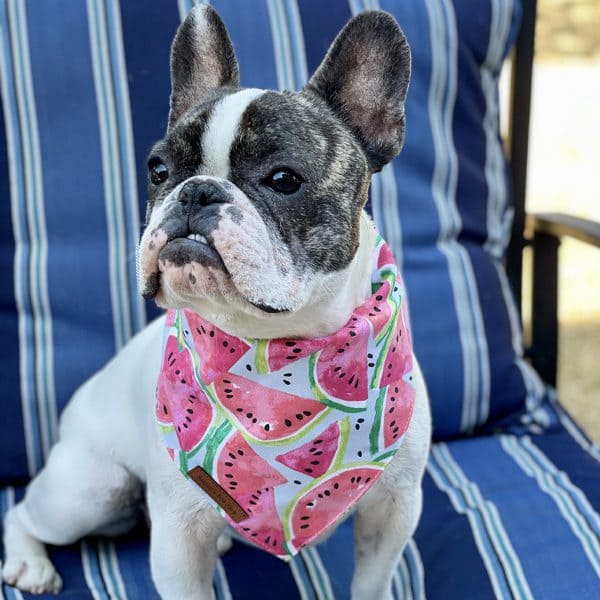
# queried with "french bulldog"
point(255, 221)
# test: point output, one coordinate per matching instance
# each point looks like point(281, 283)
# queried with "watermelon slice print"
point(180, 399)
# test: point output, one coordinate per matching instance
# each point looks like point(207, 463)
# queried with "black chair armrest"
point(560, 225)
point(546, 231)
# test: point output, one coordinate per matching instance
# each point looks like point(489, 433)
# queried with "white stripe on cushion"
point(112, 173)
point(132, 222)
point(507, 578)
point(442, 97)
point(570, 501)
point(31, 280)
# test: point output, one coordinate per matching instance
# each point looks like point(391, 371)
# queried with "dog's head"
point(255, 196)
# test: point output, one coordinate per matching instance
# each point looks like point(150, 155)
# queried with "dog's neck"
point(333, 300)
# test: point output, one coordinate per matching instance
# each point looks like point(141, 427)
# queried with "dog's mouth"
point(197, 248)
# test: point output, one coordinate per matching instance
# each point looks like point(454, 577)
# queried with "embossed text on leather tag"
point(201, 478)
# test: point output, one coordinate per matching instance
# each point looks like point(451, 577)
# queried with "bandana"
point(284, 436)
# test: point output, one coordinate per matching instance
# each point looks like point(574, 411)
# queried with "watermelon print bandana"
point(284, 436)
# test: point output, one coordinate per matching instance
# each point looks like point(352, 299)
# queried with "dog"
point(256, 222)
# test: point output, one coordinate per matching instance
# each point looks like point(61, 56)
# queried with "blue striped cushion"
point(84, 95)
point(527, 528)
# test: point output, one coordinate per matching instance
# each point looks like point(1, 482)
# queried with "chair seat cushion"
point(506, 516)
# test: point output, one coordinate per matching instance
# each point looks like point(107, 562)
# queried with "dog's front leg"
point(183, 543)
point(383, 525)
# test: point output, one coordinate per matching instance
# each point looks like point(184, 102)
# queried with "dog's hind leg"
point(78, 492)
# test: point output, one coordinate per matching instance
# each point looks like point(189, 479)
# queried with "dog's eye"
point(158, 171)
point(283, 181)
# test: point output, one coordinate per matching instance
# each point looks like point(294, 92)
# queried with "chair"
point(512, 488)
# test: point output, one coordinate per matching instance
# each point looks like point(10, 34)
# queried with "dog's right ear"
point(202, 59)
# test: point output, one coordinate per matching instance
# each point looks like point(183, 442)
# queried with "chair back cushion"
point(85, 91)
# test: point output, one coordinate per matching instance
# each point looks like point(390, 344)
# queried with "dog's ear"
point(364, 78)
point(202, 59)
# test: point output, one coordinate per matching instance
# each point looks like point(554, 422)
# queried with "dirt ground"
point(563, 177)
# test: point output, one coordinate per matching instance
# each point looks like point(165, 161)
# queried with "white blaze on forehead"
point(221, 130)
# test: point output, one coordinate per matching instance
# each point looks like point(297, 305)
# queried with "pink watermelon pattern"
point(180, 399)
point(339, 491)
point(264, 413)
point(294, 430)
point(316, 456)
point(218, 350)
point(342, 366)
point(251, 481)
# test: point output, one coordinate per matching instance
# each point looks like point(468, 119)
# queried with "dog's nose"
point(200, 193)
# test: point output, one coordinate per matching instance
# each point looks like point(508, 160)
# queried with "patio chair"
point(512, 489)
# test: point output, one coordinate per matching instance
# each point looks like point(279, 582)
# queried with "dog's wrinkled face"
point(255, 196)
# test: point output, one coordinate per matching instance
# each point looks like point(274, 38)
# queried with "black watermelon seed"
point(299, 416)
point(337, 369)
point(306, 413)
point(239, 409)
point(371, 364)
point(305, 518)
point(229, 475)
point(367, 480)
point(352, 333)
point(319, 441)
point(392, 423)
point(376, 309)
point(320, 495)
point(230, 396)
point(315, 462)
point(188, 419)
point(308, 470)
point(391, 410)
point(286, 382)
point(267, 427)
point(240, 452)
point(357, 427)
point(336, 485)
point(305, 526)
point(212, 333)
point(254, 420)
point(267, 539)
point(177, 372)
point(356, 384)
point(249, 415)
point(190, 411)
point(317, 453)
point(165, 409)
point(178, 428)
point(352, 479)
point(225, 343)
point(340, 350)
point(395, 430)
point(297, 482)
point(228, 464)
point(226, 380)
point(232, 455)
point(185, 425)
point(327, 493)
point(289, 343)
point(351, 379)
point(252, 502)
point(292, 357)
point(361, 420)
point(358, 479)
point(231, 350)
point(369, 355)
point(203, 330)
point(359, 453)
point(297, 350)
point(227, 390)
point(287, 374)
point(288, 423)
point(248, 368)
point(379, 298)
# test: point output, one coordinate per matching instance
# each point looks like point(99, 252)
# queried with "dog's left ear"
point(202, 59)
point(364, 78)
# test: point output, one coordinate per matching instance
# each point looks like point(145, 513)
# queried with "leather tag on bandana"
point(203, 480)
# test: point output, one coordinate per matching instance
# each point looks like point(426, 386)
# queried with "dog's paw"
point(35, 575)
